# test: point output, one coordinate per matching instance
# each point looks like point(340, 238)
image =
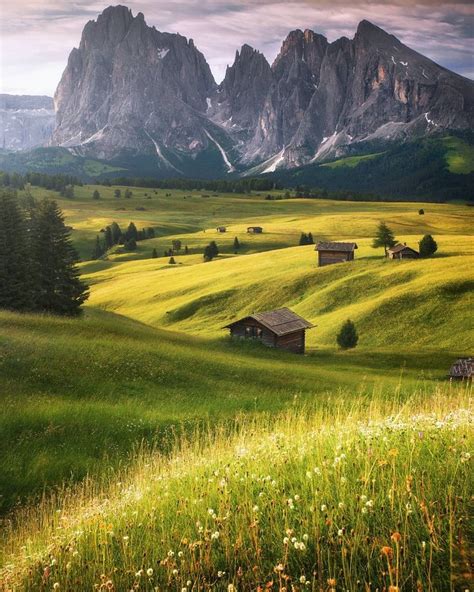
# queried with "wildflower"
point(180, 554)
point(139, 573)
point(189, 583)
point(220, 574)
point(465, 456)
point(175, 572)
point(305, 537)
point(387, 551)
point(302, 579)
point(149, 572)
point(364, 510)
point(170, 553)
point(56, 586)
point(286, 540)
point(309, 474)
point(231, 588)
point(324, 508)
point(279, 567)
point(369, 504)
point(255, 508)
point(341, 505)
point(215, 535)
point(340, 532)
point(184, 590)
point(396, 536)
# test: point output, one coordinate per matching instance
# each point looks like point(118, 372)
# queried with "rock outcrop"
point(130, 89)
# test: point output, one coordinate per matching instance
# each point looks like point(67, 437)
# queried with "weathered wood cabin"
point(462, 369)
point(255, 230)
point(402, 252)
point(329, 253)
point(281, 328)
point(221, 229)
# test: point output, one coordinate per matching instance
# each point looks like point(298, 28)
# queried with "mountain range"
point(132, 94)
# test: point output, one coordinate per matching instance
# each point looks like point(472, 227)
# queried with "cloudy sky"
point(36, 36)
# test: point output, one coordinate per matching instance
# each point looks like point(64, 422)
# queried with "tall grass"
point(369, 496)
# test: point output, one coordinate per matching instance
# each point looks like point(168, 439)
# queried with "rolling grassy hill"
point(149, 363)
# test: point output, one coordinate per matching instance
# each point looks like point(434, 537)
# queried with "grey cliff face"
point(129, 87)
point(25, 121)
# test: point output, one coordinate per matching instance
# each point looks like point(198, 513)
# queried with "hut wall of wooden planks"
point(281, 328)
point(330, 253)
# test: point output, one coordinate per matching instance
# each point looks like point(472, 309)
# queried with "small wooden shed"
point(255, 230)
point(402, 252)
point(462, 369)
point(221, 229)
point(281, 328)
point(329, 253)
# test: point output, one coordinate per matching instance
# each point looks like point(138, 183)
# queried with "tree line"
point(38, 271)
point(53, 182)
point(221, 185)
point(113, 235)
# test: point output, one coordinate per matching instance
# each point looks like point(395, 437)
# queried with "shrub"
point(428, 246)
point(347, 337)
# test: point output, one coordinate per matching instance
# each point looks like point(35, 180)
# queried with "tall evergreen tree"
point(236, 244)
point(116, 233)
point(303, 239)
point(384, 237)
point(15, 279)
point(98, 250)
point(131, 232)
point(310, 239)
point(58, 288)
point(428, 246)
point(117, 193)
point(109, 242)
point(154, 254)
point(96, 194)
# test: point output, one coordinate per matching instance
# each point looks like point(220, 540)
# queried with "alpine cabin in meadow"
point(281, 328)
point(221, 229)
point(255, 230)
point(329, 253)
point(462, 369)
point(402, 252)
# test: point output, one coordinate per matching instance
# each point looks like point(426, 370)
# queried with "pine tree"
point(116, 233)
point(172, 261)
point(131, 244)
point(131, 232)
point(421, 211)
point(128, 193)
point(214, 248)
point(236, 244)
point(176, 245)
point(186, 250)
point(109, 242)
point(15, 278)
point(117, 193)
point(384, 238)
point(96, 194)
point(208, 256)
point(303, 239)
point(98, 250)
point(428, 246)
point(310, 239)
point(347, 337)
point(57, 286)
point(154, 254)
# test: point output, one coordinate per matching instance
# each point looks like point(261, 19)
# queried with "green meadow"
point(144, 400)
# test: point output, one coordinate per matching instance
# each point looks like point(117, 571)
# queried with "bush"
point(347, 337)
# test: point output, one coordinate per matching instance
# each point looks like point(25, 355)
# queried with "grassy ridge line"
point(110, 381)
point(406, 297)
point(184, 215)
point(323, 513)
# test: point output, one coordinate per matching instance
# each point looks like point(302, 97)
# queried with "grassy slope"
point(323, 500)
point(350, 161)
point(460, 156)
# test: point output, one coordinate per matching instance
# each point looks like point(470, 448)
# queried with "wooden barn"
point(221, 229)
point(402, 252)
point(329, 253)
point(280, 328)
point(462, 369)
point(255, 230)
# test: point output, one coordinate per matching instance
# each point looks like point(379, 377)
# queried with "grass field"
point(149, 364)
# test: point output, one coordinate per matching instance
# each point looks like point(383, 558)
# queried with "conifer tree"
point(57, 286)
point(116, 233)
point(236, 244)
point(96, 194)
point(303, 239)
point(172, 261)
point(310, 239)
point(98, 250)
point(131, 232)
point(347, 337)
point(109, 242)
point(117, 193)
point(186, 250)
point(384, 238)
point(154, 254)
point(15, 279)
point(428, 246)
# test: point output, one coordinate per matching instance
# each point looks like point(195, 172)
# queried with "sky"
point(36, 36)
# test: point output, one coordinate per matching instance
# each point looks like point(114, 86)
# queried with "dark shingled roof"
point(400, 247)
point(281, 321)
point(347, 247)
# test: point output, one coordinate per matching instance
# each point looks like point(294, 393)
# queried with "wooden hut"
point(221, 229)
point(402, 252)
point(281, 328)
point(462, 369)
point(255, 230)
point(329, 253)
